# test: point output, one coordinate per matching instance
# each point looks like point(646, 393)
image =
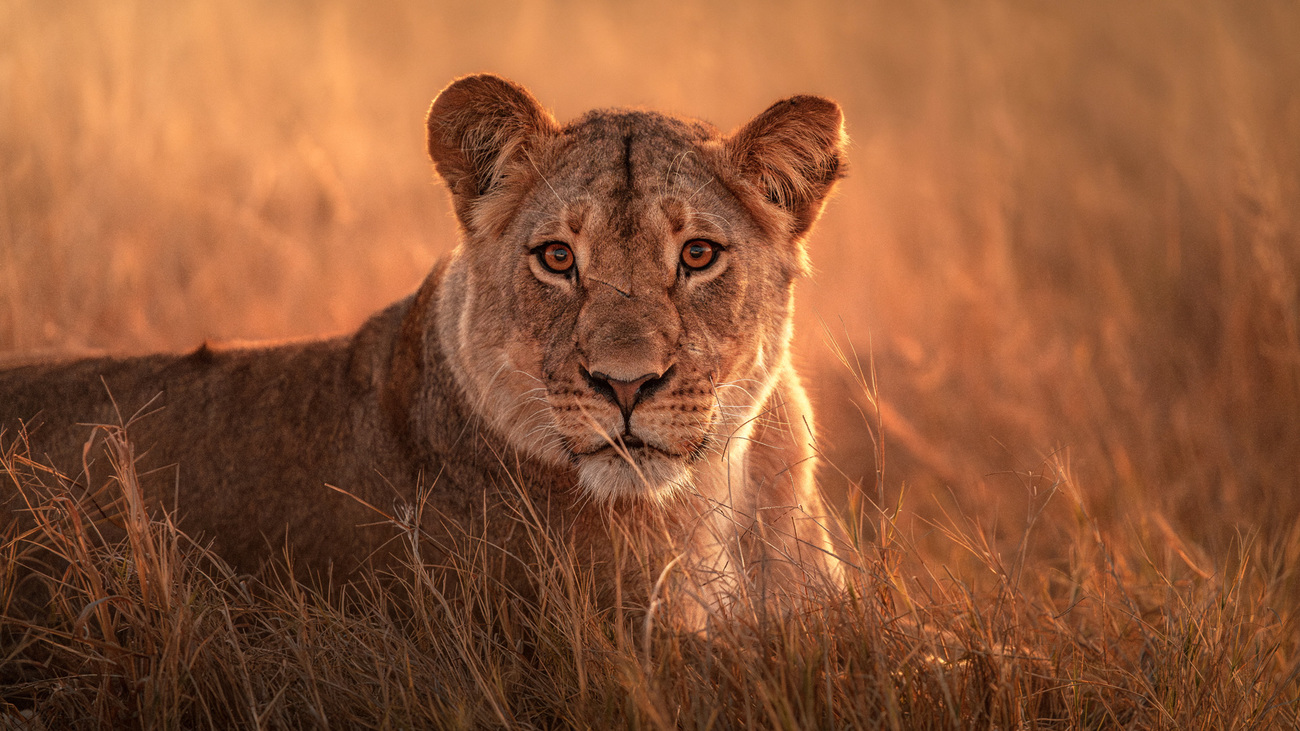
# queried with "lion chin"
point(639, 474)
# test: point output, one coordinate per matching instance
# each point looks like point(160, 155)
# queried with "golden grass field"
point(1053, 336)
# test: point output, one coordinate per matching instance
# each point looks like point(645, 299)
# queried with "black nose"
point(626, 394)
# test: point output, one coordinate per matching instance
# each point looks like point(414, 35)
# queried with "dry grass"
point(1060, 400)
point(155, 632)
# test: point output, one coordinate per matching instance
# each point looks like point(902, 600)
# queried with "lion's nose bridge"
point(627, 338)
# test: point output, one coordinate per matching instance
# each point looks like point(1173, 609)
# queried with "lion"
point(609, 342)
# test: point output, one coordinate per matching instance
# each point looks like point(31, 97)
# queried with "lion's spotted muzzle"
point(626, 394)
point(633, 436)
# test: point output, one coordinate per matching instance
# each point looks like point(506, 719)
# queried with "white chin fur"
point(608, 476)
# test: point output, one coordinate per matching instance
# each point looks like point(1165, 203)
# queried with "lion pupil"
point(556, 257)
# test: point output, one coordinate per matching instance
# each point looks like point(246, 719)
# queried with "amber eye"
point(699, 254)
point(555, 256)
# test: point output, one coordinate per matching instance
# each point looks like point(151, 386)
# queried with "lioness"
point(609, 343)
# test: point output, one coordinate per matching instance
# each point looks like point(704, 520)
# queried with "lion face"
point(625, 282)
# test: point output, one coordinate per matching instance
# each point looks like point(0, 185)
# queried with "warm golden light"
point(1068, 244)
point(1063, 227)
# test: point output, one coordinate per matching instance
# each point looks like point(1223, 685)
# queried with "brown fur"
point(478, 387)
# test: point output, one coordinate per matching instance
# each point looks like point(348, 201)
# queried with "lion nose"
point(626, 394)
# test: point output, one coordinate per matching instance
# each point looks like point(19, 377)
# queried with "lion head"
point(621, 298)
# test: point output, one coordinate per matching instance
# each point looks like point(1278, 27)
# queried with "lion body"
point(624, 385)
point(241, 444)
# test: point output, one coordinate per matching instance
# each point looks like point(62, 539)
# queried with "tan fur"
point(478, 387)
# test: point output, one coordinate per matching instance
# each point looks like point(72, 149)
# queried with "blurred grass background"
point(1068, 242)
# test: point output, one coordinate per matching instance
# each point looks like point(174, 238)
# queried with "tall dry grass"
point(153, 631)
point(1053, 339)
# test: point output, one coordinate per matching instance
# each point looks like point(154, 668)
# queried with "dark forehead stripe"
point(637, 147)
point(629, 177)
point(623, 157)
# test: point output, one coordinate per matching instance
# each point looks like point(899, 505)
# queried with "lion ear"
point(476, 127)
point(793, 153)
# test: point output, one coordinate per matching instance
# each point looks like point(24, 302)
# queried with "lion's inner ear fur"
point(477, 126)
point(793, 153)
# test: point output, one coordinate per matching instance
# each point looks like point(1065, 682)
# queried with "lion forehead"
point(615, 154)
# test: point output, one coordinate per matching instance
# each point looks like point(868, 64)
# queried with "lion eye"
point(699, 254)
point(555, 256)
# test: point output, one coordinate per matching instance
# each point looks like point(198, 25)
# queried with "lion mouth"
point(630, 445)
point(626, 443)
point(634, 466)
point(631, 468)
